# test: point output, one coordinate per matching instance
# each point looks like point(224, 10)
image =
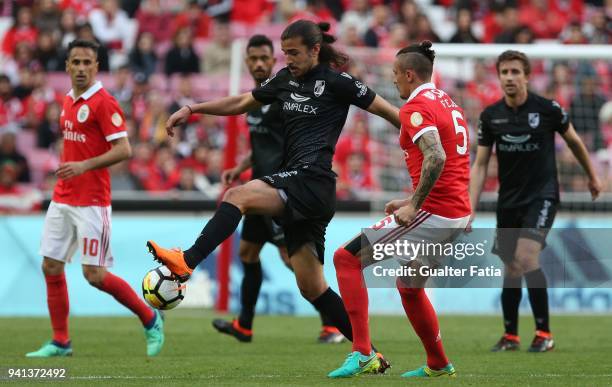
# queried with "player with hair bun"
point(434, 137)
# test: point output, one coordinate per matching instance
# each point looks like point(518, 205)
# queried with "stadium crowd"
point(158, 55)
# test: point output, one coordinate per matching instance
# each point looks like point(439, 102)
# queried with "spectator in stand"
point(187, 180)
point(355, 178)
point(195, 18)
point(184, 94)
point(8, 152)
point(82, 8)
point(198, 161)
point(110, 25)
point(143, 58)
point(398, 37)
point(354, 140)
point(48, 52)
point(140, 92)
point(214, 167)
point(11, 107)
point(166, 163)
point(86, 32)
point(143, 169)
point(153, 19)
point(584, 113)
point(48, 130)
point(543, 18)
point(424, 31)
point(464, 33)
point(409, 11)
point(561, 88)
point(25, 86)
point(181, 58)
point(313, 10)
point(509, 25)
point(218, 54)
point(252, 12)
point(121, 179)
point(523, 35)
point(35, 105)
point(47, 16)
point(350, 37)
point(379, 29)
point(68, 27)
point(153, 125)
point(14, 197)
point(600, 28)
point(22, 31)
point(482, 87)
point(122, 89)
point(574, 35)
point(358, 17)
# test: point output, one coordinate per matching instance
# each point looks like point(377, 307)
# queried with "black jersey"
point(314, 110)
point(525, 145)
point(266, 132)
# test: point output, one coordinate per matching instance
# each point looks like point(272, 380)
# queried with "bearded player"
point(78, 218)
point(434, 138)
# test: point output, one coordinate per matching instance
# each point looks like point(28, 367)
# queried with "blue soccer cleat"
point(426, 372)
point(357, 364)
point(155, 335)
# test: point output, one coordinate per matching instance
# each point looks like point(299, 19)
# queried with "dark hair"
point(4, 78)
point(312, 34)
point(418, 57)
point(260, 40)
point(509, 55)
point(84, 44)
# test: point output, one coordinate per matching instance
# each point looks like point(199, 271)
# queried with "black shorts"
point(532, 221)
point(261, 229)
point(310, 195)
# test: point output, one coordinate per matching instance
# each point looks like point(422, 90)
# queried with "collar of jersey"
point(424, 86)
point(319, 67)
point(93, 89)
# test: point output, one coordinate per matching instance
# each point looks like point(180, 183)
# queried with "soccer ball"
point(161, 289)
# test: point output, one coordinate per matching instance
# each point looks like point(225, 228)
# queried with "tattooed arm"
point(434, 158)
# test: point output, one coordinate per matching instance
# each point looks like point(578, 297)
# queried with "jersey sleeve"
point(417, 118)
point(111, 119)
point(561, 118)
point(352, 91)
point(485, 137)
point(268, 91)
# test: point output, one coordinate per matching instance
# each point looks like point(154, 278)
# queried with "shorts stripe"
point(104, 240)
point(401, 230)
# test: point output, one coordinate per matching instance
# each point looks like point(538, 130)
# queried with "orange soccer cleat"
point(172, 258)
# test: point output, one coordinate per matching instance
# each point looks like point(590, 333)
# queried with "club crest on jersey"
point(416, 119)
point(83, 113)
point(533, 119)
point(116, 119)
point(319, 88)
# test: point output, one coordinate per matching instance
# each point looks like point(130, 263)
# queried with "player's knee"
point(310, 290)
point(248, 255)
point(52, 267)
point(513, 269)
point(94, 275)
point(343, 258)
point(236, 196)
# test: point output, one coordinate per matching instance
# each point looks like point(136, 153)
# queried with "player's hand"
point(229, 176)
point(468, 228)
point(394, 205)
point(178, 118)
point(595, 187)
point(405, 215)
point(71, 169)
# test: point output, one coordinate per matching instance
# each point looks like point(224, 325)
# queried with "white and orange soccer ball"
point(161, 289)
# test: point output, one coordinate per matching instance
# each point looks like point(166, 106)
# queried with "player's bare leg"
point(254, 197)
point(58, 304)
point(152, 321)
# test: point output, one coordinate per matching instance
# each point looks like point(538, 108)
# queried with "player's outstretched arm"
point(579, 150)
point(227, 106)
point(382, 108)
point(120, 150)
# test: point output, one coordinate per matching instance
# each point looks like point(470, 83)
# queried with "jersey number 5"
point(460, 130)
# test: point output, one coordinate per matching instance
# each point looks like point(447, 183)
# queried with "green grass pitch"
point(110, 351)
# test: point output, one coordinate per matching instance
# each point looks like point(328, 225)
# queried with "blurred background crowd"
point(158, 55)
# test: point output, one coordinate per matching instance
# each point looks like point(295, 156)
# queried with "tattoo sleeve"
point(433, 163)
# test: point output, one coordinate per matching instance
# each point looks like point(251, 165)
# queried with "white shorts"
point(425, 228)
point(70, 227)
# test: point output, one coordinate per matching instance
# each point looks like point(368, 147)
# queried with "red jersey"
point(430, 109)
point(88, 125)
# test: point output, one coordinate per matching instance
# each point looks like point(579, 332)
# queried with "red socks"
point(124, 293)
point(355, 297)
point(57, 301)
point(423, 318)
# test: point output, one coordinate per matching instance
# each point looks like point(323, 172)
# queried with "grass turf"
point(110, 351)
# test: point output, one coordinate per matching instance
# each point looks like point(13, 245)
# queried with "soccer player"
point(79, 216)
point(522, 125)
point(315, 99)
point(434, 137)
point(267, 141)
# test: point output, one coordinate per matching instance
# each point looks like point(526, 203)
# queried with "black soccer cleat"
point(233, 328)
point(330, 335)
point(384, 364)
point(507, 343)
point(542, 342)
